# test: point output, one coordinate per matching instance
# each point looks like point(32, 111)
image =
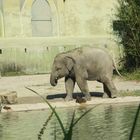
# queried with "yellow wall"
point(88, 17)
point(75, 23)
point(72, 18)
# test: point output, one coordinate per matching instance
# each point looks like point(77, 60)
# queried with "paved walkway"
point(40, 83)
point(95, 101)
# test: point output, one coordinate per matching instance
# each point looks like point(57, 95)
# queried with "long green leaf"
point(84, 115)
point(55, 132)
point(68, 136)
point(52, 108)
point(41, 132)
point(134, 123)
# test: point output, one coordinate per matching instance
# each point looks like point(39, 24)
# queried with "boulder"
point(8, 97)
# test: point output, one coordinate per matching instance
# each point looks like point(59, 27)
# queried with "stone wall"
point(35, 55)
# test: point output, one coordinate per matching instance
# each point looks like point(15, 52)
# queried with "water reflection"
point(9, 117)
point(102, 123)
point(1, 132)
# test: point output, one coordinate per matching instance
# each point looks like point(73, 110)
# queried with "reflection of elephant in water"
point(80, 65)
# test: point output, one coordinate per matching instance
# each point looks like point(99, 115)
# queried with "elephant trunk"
point(53, 80)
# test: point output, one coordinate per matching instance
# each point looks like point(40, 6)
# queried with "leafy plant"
point(135, 75)
point(127, 28)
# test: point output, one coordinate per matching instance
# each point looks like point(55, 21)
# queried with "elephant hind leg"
point(110, 88)
point(106, 91)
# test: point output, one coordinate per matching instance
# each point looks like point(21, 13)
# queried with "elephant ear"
point(69, 62)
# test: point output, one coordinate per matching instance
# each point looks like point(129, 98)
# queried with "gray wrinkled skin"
point(80, 65)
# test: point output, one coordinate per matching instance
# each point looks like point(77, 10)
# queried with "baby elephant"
point(80, 65)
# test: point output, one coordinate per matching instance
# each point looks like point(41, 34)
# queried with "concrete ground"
point(40, 84)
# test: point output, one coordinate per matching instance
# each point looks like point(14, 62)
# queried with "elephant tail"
point(115, 67)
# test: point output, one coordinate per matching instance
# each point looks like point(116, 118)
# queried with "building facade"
point(32, 32)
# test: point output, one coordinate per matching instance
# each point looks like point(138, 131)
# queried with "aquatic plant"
point(66, 133)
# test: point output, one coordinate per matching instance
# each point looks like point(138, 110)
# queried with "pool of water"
point(105, 122)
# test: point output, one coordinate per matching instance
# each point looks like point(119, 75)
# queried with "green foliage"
point(129, 93)
point(135, 75)
point(128, 30)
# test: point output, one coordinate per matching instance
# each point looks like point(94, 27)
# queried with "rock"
point(9, 97)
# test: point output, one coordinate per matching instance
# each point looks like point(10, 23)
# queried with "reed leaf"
point(134, 123)
point(52, 108)
point(73, 123)
point(84, 115)
point(68, 136)
point(41, 132)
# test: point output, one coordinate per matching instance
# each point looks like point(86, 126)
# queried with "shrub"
point(127, 28)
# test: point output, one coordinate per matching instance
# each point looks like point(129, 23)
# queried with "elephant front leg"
point(69, 85)
point(82, 83)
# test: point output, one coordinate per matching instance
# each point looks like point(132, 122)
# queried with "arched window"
point(41, 18)
point(1, 20)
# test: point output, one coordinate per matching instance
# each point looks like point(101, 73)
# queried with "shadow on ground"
point(78, 94)
point(54, 97)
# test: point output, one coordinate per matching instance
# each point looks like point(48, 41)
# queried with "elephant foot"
point(114, 96)
point(68, 98)
point(106, 96)
point(87, 97)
